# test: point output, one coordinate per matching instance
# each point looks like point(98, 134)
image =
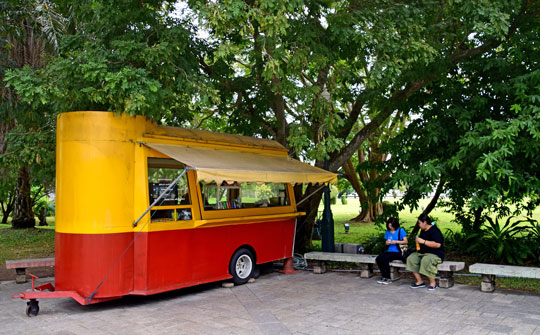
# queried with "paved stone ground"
point(303, 303)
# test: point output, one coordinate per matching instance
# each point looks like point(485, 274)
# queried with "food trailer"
point(143, 208)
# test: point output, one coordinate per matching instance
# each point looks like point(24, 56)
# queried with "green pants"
point(424, 264)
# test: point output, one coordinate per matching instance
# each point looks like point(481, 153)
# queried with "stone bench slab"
point(29, 263)
point(505, 270)
point(339, 257)
point(490, 271)
point(21, 265)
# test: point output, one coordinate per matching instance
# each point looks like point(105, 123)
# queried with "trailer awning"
point(214, 164)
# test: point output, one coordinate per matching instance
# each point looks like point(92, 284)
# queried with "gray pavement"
point(303, 303)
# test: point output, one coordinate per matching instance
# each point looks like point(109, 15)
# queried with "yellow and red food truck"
point(143, 208)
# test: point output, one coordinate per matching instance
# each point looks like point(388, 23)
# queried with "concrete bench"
point(366, 261)
point(21, 265)
point(446, 269)
point(490, 271)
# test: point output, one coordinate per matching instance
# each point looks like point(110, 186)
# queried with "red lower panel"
point(83, 261)
point(179, 258)
point(164, 260)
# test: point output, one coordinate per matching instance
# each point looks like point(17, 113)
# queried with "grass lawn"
point(26, 243)
point(358, 231)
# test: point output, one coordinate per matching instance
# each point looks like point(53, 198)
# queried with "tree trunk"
point(7, 208)
point(431, 204)
point(43, 217)
point(23, 214)
point(478, 219)
point(369, 212)
point(304, 226)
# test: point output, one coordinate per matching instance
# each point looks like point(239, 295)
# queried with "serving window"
point(176, 205)
point(243, 195)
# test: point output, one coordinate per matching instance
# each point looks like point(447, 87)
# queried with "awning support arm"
point(164, 193)
point(309, 196)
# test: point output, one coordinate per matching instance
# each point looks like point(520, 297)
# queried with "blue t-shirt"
point(394, 237)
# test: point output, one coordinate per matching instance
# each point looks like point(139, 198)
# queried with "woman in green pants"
point(430, 254)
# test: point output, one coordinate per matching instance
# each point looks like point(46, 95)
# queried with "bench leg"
point(366, 270)
point(488, 283)
point(20, 277)
point(394, 273)
point(446, 279)
point(319, 267)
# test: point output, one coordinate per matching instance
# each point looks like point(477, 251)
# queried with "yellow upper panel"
point(95, 172)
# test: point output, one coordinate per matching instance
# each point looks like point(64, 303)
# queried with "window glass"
point(161, 173)
point(245, 195)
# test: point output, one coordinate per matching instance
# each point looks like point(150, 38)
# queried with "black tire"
point(32, 308)
point(242, 266)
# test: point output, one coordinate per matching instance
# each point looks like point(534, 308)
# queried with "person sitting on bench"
point(430, 246)
point(394, 236)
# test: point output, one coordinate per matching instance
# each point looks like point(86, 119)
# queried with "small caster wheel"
point(32, 308)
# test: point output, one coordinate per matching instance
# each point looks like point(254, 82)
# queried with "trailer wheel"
point(241, 266)
point(32, 308)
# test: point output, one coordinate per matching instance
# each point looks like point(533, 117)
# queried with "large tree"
point(128, 57)
point(29, 36)
point(276, 60)
point(478, 133)
point(365, 170)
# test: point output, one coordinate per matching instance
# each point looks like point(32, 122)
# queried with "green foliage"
point(29, 37)
point(533, 239)
point(500, 244)
point(264, 192)
point(39, 195)
point(34, 147)
point(390, 209)
point(477, 132)
point(344, 185)
point(344, 199)
point(145, 62)
point(456, 242)
point(333, 194)
point(374, 243)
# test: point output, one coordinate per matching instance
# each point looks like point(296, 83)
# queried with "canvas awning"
point(215, 164)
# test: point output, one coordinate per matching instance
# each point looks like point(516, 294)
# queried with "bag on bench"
point(404, 249)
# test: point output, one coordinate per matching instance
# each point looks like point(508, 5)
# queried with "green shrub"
point(456, 242)
point(506, 244)
point(374, 243)
point(533, 240)
point(333, 194)
point(344, 199)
